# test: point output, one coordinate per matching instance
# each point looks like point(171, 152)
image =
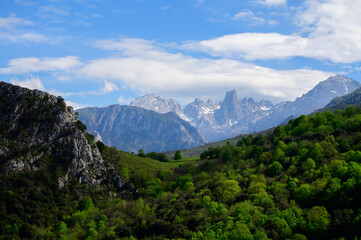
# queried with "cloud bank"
point(329, 30)
point(144, 67)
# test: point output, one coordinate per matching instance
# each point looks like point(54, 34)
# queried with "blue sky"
point(97, 52)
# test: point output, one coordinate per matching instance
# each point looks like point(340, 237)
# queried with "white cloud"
point(109, 87)
point(9, 31)
point(25, 2)
point(199, 2)
point(272, 2)
point(331, 30)
point(52, 12)
point(76, 105)
point(12, 22)
point(272, 22)
point(243, 14)
point(122, 100)
point(146, 68)
point(31, 83)
point(252, 46)
point(250, 16)
point(97, 15)
point(26, 37)
point(33, 64)
point(166, 7)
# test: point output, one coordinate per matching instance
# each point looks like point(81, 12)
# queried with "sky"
point(103, 52)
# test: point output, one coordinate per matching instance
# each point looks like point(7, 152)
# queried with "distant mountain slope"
point(316, 98)
point(39, 132)
point(131, 128)
point(199, 108)
point(233, 116)
point(344, 102)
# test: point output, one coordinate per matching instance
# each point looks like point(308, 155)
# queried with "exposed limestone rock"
point(39, 132)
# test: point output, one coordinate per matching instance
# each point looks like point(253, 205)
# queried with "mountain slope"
point(316, 98)
point(344, 102)
point(131, 128)
point(199, 108)
point(38, 132)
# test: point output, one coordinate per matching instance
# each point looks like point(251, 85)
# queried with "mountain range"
point(156, 124)
point(233, 116)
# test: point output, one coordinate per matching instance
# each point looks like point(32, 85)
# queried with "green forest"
point(300, 181)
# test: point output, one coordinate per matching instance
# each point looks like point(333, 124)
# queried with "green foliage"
point(177, 155)
point(228, 191)
point(158, 156)
point(86, 203)
point(276, 168)
point(141, 153)
point(61, 229)
point(318, 219)
point(300, 182)
point(316, 153)
point(81, 126)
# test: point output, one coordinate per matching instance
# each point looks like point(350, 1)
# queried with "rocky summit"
point(39, 132)
point(157, 104)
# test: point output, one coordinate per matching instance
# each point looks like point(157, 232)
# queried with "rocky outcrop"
point(39, 132)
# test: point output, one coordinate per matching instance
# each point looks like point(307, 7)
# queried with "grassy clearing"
point(135, 162)
point(196, 152)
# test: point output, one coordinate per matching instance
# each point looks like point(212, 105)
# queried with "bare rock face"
point(39, 132)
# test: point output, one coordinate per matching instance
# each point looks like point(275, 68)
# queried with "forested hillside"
point(303, 181)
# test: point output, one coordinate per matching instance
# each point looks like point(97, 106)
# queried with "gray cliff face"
point(157, 104)
point(38, 131)
point(131, 128)
point(230, 109)
point(201, 115)
point(231, 118)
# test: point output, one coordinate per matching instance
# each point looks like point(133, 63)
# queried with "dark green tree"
point(316, 153)
point(177, 155)
point(141, 153)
